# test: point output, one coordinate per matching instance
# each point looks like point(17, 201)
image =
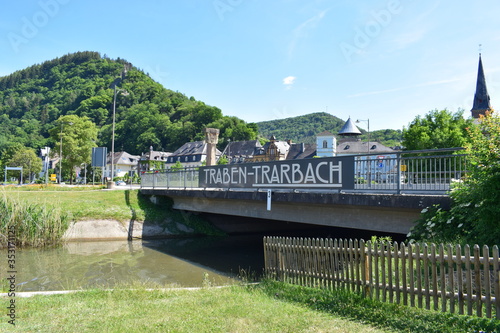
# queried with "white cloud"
point(289, 81)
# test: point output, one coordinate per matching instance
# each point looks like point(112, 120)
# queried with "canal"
point(182, 262)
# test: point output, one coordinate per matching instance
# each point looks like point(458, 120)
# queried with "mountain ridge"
point(81, 83)
point(304, 129)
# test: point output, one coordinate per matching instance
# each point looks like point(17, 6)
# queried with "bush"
point(33, 224)
point(474, 214)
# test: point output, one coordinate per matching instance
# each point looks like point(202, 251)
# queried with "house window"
point(325, 144)
point(194, 158)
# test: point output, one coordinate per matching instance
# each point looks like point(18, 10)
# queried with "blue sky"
point(386, 61)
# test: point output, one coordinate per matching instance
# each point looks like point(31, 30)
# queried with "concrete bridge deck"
point(381, 212)
point(370, 192)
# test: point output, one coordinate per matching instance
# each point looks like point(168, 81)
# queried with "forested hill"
point(147, 114)
point(301, 128)
point(305, 128)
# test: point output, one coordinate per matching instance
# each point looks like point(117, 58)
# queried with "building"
point(191, 154)
point(274, 150)
point(242, 151)
point(300, 151)
point(351, 144)
point(123, 164)
point(153, 160)
point(326, 144)
point(481, 102)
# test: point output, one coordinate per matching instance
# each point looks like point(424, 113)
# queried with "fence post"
point(366, 268)
point(398, 180)
point(496, 277)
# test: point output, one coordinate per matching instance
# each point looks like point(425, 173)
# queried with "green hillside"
point(147, 114)
point(301, 128)
point(305, 128)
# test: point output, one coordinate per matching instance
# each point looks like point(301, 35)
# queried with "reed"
point(30, 224)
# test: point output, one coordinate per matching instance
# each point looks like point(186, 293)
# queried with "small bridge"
point(370, 192)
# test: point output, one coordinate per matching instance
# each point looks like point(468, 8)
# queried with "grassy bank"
point(269, 307)
point(233, 309)
point(45, 207)
point(399, 318)
point(25, 223)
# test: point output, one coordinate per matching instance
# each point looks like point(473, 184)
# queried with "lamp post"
point(368, 164)
point(368, 121)
point(125, 93)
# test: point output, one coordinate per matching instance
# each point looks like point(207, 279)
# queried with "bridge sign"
point(331, 172)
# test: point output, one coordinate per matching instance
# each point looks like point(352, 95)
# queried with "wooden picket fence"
point(442, 277)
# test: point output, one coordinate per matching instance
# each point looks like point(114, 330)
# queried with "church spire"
point(481, 97)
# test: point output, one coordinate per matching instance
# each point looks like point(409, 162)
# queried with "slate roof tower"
point(481, 97)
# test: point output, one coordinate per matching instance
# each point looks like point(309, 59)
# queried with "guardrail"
point(398, 172)
point(411, 171)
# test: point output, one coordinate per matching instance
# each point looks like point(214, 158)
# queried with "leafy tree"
point(223, 160)
point(32, 100)
point(78, 136)
point(437, 129)
point(177, 166)
point(28, 160)
point(473, 217)
point(387, 137)
point(302, 128)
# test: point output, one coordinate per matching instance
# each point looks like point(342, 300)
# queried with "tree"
point(437, 129)
point(223, 160)
point(78, 136)
point(28, 160)
point(473, 217)
point(177, 166)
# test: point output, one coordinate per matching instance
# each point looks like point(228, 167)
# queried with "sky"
point(383, 62)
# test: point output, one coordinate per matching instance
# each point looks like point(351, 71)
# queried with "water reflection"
point(169, 263)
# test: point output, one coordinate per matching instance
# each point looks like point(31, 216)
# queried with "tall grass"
point(34, 224)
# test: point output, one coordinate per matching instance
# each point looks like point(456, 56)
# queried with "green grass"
point(399, 318)
point(232, 309)
point(25, 223)
point(268, 307)
point(81, 204)
point(89, 204)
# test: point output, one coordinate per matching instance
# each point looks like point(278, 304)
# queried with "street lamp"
point(368, 121)
point(124, 93)
point(60, 151)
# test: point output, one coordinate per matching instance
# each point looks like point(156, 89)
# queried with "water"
point(191, 262)
point(166, 263)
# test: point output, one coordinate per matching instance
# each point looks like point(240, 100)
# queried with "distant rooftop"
point(349, 129)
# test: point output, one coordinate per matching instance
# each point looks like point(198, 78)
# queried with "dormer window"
point(374, 147)
point(347, 147)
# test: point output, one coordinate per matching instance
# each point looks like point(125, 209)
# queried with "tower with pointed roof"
point(481, 98)
point(349, 131)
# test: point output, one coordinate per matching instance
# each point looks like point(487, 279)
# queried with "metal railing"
point(398, 172)
point(178, 178)
point(410, 171)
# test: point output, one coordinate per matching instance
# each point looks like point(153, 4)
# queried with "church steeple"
point(481, 97)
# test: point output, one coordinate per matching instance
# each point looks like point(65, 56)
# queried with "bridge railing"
point(410, 171)
point(404, 171)
point(173, 178)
